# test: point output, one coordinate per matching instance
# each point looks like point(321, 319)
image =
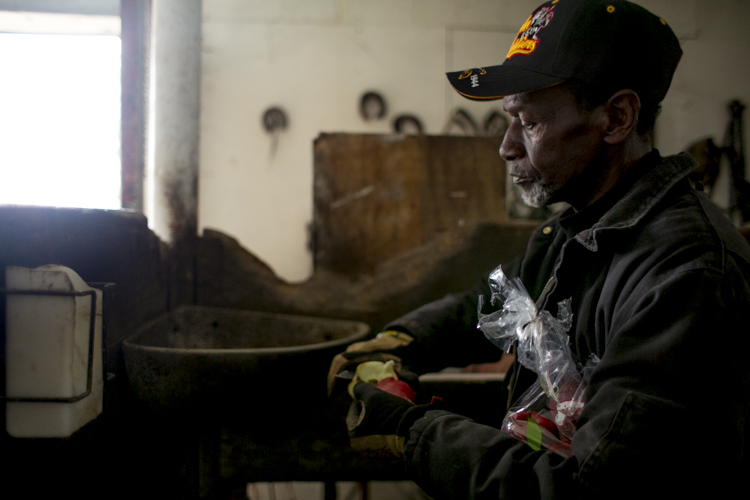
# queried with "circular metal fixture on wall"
point(407, 124)
point(460, 119)
point(274, 120)
point(372, 106)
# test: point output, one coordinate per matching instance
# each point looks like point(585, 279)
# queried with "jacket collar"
point(641, 198)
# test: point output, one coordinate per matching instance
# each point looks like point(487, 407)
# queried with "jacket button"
point(547, 230)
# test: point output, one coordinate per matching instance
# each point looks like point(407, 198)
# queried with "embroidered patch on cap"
point(526, 40)
point(469, 73)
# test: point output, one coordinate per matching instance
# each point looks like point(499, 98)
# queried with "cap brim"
point(496, 82)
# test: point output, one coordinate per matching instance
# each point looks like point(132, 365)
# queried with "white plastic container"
point(47, 352)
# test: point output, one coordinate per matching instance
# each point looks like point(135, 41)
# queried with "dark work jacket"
point(660, 292)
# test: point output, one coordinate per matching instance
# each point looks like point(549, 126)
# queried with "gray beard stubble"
point(538, 195)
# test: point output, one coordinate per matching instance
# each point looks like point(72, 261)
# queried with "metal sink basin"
point(197, 360)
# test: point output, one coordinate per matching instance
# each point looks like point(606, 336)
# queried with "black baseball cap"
point(613, 43)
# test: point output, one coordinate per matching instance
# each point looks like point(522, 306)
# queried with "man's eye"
point(528, 126)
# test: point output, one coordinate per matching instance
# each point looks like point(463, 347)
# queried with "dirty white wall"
point(315, 58)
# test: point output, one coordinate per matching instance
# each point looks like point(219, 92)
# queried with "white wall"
point(315, 58)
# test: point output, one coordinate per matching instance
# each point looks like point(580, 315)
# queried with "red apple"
point(519, 415)
point(397, 388)
point(545, 423)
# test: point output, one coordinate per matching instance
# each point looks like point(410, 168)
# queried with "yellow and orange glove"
point(382, 348)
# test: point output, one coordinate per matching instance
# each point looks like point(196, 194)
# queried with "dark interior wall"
point(106, 246)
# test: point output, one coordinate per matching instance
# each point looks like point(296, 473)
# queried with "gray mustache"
point(522, 173)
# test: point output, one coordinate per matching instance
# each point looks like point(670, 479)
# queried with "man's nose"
point(512, 147)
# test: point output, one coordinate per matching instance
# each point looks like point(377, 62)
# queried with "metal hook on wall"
point(461, 119)
point(274, 122)
point(408, 125)
point(372, 106)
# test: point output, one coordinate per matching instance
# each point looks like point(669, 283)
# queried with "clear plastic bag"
point(546, 415)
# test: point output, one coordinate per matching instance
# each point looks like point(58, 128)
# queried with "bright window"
point(60, 120)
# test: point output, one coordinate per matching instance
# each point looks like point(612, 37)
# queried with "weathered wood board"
point(379, 196)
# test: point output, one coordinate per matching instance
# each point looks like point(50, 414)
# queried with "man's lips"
point(522, 179)
point(522, 176)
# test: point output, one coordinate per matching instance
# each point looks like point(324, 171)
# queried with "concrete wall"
point(315, 58)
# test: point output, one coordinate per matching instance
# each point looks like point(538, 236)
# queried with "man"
point(658, 279)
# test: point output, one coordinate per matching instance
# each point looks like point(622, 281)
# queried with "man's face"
point(553, 150)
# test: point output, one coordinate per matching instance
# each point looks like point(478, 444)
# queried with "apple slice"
point(372, 372)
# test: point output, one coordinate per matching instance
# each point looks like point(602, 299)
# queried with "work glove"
point(384, 347)
point(379, 422)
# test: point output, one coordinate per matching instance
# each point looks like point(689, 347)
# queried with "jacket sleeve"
point(452, 457)
point(445, 331)
point(653, 426)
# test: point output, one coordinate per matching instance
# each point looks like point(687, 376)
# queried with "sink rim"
point(362, 330)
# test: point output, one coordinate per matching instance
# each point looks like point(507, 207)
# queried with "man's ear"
point(623, 109)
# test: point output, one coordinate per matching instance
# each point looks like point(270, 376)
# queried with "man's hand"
point(383, 376)
point(381, 348)
point(379, 422)
point(373, 421)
